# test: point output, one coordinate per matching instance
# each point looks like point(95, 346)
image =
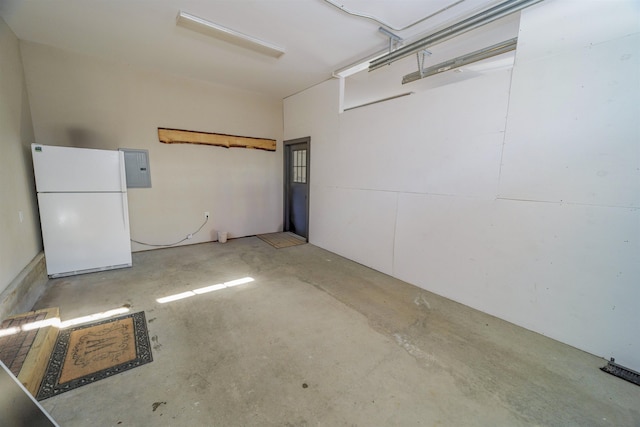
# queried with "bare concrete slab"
point(317, 339)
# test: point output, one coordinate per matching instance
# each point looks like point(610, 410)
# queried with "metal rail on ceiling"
point(387, 25)
point(480, 19)
point(469, 58)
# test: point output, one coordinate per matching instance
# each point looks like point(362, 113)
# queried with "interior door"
point(296, 178)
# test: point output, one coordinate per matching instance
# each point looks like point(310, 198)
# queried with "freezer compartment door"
point(68, 169)
point(84, 232)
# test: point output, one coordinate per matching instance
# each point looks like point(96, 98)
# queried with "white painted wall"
point(81, 101)
point(514, 192)
point(20, 240)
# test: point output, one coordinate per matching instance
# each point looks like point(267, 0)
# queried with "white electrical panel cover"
point(137, 168)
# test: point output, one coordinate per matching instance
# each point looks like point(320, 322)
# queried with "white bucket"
point(222, 236)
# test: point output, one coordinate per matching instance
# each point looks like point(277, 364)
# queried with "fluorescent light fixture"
point(211, 29)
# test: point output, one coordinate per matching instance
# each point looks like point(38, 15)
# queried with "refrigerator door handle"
point(123, 173)
point(125, 211)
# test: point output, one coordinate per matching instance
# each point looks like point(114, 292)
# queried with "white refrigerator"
point(84, 215)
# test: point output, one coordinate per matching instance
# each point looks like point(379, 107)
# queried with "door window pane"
point(299, 165)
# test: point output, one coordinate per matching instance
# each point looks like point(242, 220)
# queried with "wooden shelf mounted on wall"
point(178, 136)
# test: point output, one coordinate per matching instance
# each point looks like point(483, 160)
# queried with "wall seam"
point(506, 124)
point(395, 227)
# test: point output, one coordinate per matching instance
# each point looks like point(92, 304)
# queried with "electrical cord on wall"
point(189, 236)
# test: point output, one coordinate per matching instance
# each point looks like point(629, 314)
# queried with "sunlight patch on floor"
point(207, 289)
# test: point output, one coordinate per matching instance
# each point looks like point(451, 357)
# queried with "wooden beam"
point(178, 136)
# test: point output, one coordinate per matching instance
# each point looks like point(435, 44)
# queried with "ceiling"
point(318, 37)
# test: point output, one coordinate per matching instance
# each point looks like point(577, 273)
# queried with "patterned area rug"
point(89, 353)
point(282, 240)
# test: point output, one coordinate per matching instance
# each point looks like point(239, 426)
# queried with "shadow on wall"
point(85, 138)
point(31, 185)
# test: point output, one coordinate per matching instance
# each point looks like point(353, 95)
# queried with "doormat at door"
point(89, 353)
point(282, 240)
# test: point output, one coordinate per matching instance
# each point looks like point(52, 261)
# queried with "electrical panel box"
point(137, 168)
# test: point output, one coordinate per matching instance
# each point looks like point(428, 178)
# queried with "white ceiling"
point(318, 37)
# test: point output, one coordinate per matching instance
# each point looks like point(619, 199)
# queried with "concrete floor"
point(320, 340)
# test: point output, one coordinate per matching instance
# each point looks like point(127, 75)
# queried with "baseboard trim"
point(23, 291)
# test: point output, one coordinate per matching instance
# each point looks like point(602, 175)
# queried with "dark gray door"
point(296, 176)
